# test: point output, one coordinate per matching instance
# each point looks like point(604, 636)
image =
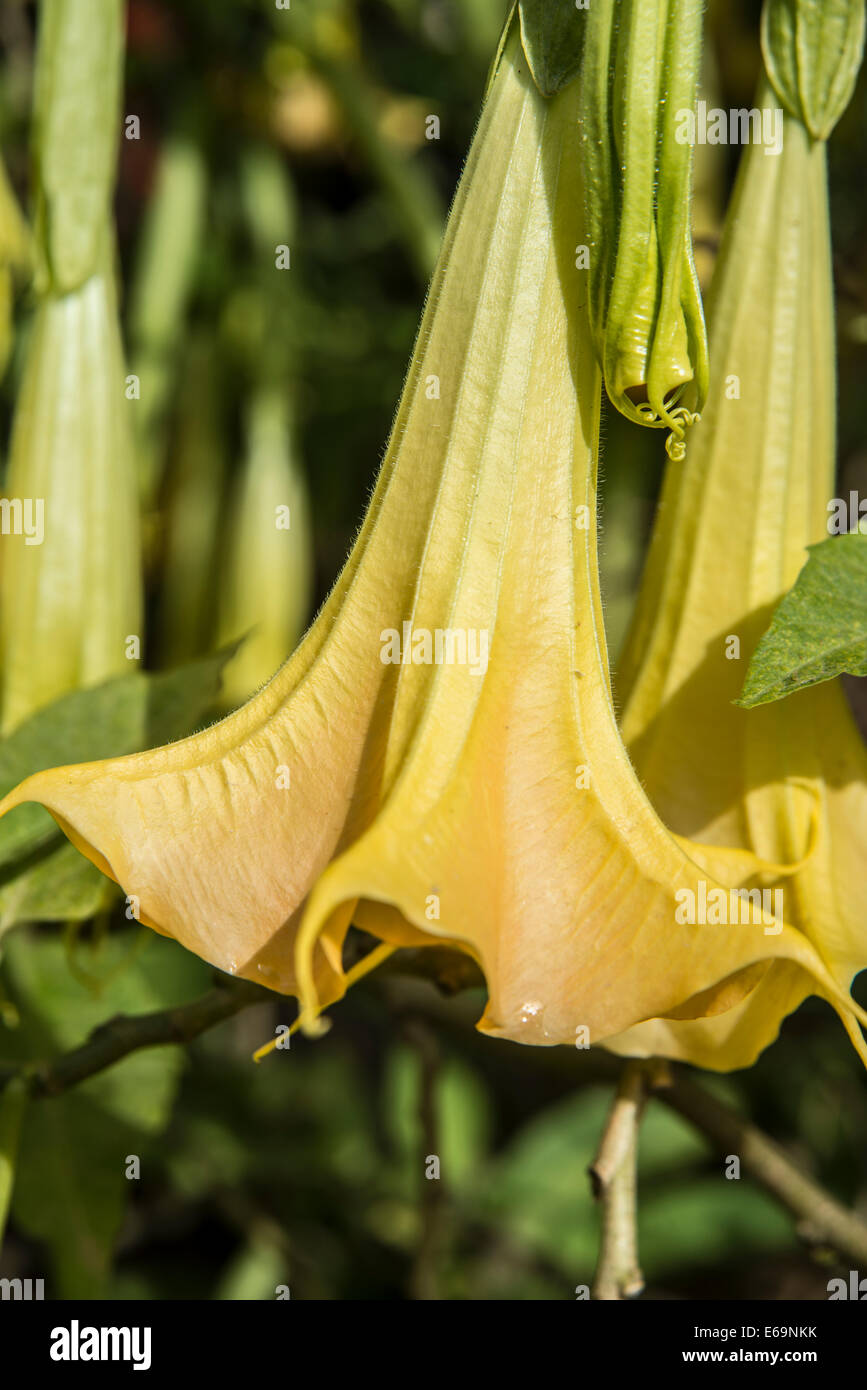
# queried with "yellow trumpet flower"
point(440, 759)
point(787, 781)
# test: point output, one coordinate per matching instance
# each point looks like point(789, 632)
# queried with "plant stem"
point(613, 1175)
point(121, 1035)
point(424, 1280)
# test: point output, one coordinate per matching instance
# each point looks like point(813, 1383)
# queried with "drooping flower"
point(265, 578)
point(266, 571)
point(440, 759)
point(787, 782)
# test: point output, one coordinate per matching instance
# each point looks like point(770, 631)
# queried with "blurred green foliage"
point(309, 1170)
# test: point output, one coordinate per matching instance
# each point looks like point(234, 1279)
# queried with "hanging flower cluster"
point(440, 760)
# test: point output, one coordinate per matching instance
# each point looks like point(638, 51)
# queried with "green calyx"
point(812, 51)
point(552, 35)
point(552, 39)
point(639, 77)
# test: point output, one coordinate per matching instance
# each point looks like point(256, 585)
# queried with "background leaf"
point(121, 716)
point(71, 1185)
point(60, 886)
point(819, 629)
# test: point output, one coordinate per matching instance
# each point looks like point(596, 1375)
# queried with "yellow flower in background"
point(265, 579)
point(15, 259)
point(787, 781)
point(266, 570)
point(439, 760)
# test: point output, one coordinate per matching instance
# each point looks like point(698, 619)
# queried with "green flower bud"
point(640, 72)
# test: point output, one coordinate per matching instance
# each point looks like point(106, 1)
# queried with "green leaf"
point(58, 1010)
point(552, 34)
point(60, 886)
point(71, 1185)
point(121, 716)
point(69, 1189)
point(812, 51)
point(819, 629)
point(175, 702)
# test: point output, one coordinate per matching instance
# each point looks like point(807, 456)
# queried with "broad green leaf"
point(819, 629)
point(121, 716)
point(104, 721)
point(77, 105)
point(71, 1184)
point(130, 972)
point(552, 34)
point(59, 886)
point(177, 701)
point(812, 51)
point(70, 1189)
